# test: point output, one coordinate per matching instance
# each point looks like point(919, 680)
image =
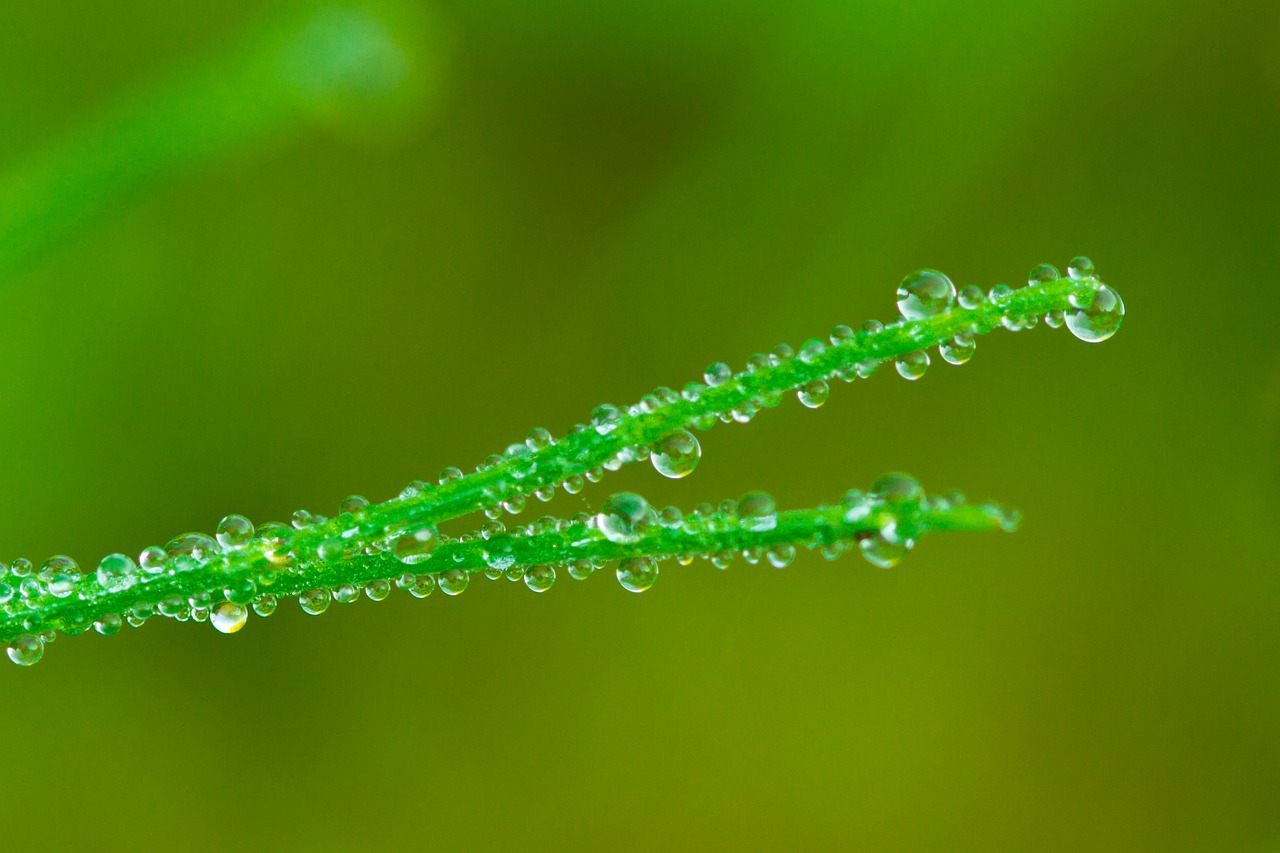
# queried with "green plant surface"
point(366, 546)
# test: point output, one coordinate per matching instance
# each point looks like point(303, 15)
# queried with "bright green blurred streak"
point(607, 198)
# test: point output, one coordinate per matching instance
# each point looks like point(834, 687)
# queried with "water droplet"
point(813, 394)
point(352, 504)
point(234, 531)
point(1055, 319)
point(454, 581)
point(897, 489)
point(780, 556)
point(882, 552)
point(152, 559)
point(26, 650)
point(958, 350)
point(346, 593)
point(812, 351)
point(580, 570)
point(198, 546)
point(676, 455)
point(241, 590)
point(116, 572)
point(420, 586)
point(912, 365)
point(229, 618)
point(925, 293)
point(1098, 320)
point(757, 511)
point(265, 605)
point(415, 546)
point(63, 584)
point(330, 549)
point(21, 568)
point(636, 574)
point(1080, 268)
point(377, 590)
point(717, 374)
point(6, 593)
point(606, 418)
point(314, 601)
point(622, 517)
point(108, 624)
point(539, 578)
point(971, 297)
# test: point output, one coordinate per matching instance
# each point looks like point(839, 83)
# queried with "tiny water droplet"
point(454, 581)
point(676, 455)
point(813, 394)
point(1098, 320)
point(234, 531)
point(1080, 268)
point(925, 293)
point(26, 650)
point(912, 365)
point(539, 578)
point(622, 517)
point(958, 350)
point(637, 574)
point(229, 618)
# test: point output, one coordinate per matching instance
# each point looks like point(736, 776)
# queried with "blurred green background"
point(593, 199)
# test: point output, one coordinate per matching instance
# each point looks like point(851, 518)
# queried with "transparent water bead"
point(958, 350)
point(1081, 268)
point(198, 546)
point(717, 374)
point(1043, 274)
point(676, 455)
point(109, 625)
point(913, 365)
point(116, 572)
point(637, 574)
point(623, 517)
point(415, 546)
point(26, 650)
point(757, 511)
point(234, 531)
point(925, 293)
point(897, 490)
point(229, 618)
point(314, 601)
point(780, 556)
point(539, 578)
point(1098, 320)
point(454, 581)
point(813, 394)
point(606, 418)
point(881, 551)
point(971, 296)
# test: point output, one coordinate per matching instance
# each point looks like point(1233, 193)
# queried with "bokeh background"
point(584, 201)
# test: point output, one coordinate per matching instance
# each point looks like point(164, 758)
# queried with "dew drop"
point(346, 593)
point(757, 511)
point(1043, 274)
point(378, 590)
point(580, 570)
point(229, 618)
point(539, 578)
point(971, 296)
point(676, 455)
point(1098, 320)
point(1080, 268)
point(606, 418)
point(717, 374)
point(454, 581)
point(636, 574)
point(813, 394)
point(152, 560)
point(415, 546)
point(198, 546)
point(314, 601)
point(622, 517)
point(6, 593)
point(116, 572)
point(897, 489)
point(925, 293)
point(958, 350)
point(352, 504)
point(881, 552)
point(420, 586)
point(234, 531)
point(780, 556)
point(108, 624)
point(26, 650)
point(912, 365)
point(265, 605)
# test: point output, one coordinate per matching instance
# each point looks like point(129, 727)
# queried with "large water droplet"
point(26, 650)
point(1098, 320)
point(622, 517)
point(605, 418)
point(717, 374)
point(676, 455)
point(925, 293)
point(636, 574)
point(229, 618)
point(539, 578)
point(108, 624)
point(314, 601)
point(813, 394)
point(912, 365)
point(1080, 268)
